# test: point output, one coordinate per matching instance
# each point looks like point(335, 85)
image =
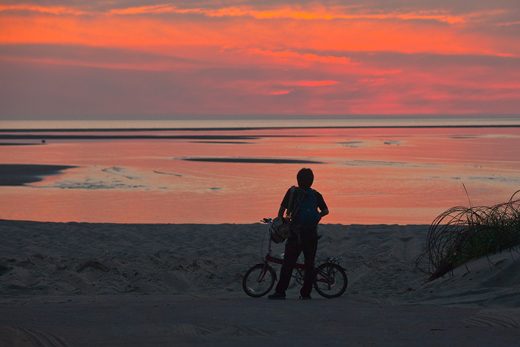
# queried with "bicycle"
point(330, 280)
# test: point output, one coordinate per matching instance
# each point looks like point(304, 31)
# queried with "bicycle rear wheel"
point(331, 280)
point(259, 280)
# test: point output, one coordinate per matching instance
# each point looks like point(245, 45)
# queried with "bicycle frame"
point(330, 279)
point(299, 267)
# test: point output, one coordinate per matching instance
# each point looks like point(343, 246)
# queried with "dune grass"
point(461, 234)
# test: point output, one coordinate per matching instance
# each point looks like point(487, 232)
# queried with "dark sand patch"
point(225, 142)
point(20, 174)
point(18, 144)
point(168, 173)
point(254, 160)
point(125, 137)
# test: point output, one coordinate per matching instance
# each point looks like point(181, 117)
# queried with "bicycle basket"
point(280, 230)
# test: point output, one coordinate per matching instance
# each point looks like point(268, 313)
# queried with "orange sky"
point(132, 60)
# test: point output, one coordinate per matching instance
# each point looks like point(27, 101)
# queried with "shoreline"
point(244, 128)
point(246, 224)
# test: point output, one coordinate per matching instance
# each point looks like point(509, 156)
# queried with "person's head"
point(305, 178)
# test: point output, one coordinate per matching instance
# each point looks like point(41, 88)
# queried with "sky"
point(136, 59)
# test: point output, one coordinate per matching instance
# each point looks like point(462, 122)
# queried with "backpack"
point(305, 212)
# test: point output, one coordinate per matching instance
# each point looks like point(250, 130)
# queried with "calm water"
point(367, 175)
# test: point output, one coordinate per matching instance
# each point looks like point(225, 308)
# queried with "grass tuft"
point(461, 234)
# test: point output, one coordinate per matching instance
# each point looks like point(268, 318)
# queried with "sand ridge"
point(40, 258)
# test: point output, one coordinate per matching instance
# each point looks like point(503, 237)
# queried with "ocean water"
point(406, 172)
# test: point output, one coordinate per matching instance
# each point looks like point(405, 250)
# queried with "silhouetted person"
point(307, 208)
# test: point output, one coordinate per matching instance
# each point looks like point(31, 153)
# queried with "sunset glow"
point(125, 60)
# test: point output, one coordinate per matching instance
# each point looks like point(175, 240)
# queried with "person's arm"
point(324, 210)
point(284, 204)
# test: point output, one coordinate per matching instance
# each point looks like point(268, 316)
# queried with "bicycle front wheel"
point(331, 280)
point(259, 280)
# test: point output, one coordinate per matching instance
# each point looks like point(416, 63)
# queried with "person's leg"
point(310, 247)
point(292, 251)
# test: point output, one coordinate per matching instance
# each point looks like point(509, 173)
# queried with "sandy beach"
point(82, 284)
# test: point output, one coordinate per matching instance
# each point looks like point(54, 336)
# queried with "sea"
point(369, 170)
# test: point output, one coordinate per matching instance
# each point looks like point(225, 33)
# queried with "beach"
point(86, 284)
point(146, 148)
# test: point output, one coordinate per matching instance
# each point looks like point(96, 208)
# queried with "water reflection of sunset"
point(367, 176)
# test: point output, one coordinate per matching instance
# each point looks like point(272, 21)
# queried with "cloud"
point(97, 57)
point(297, 12)
point(282, 29)
point(429, 85)
point(311, 83)
point(55, 10)
point(315, 11)
point(280, 92)
point(158, 59)
point(290, 56)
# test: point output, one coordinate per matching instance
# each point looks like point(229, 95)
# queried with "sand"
point(81, 284)
point(20, 174)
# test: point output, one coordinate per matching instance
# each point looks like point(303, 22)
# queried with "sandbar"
point(20, 174)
